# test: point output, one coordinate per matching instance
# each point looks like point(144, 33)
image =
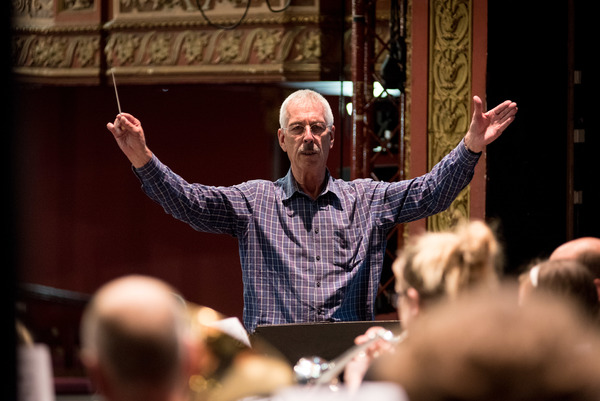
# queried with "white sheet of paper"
point(35, 373)
point(234, 328)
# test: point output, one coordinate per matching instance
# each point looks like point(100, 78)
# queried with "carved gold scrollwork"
point(266, 43)
point(184, 5)
point(154, 40)
point(254, 46)
point(40, 51)
point(33, 8)
point(157, 5)
point(228, 48)
point(76, 5)
point(310, 47)
point(121, 48)
point(449, 96)
point(192, 46)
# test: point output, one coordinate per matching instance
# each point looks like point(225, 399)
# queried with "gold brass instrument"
point(227, 368)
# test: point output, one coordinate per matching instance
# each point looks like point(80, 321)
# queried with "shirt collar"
point(290, 186)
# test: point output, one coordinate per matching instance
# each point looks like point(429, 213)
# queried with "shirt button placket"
point(318, 256)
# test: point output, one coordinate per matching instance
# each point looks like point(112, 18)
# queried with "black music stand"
point(326, 340)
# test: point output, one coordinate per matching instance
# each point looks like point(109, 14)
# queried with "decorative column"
point(449, 94)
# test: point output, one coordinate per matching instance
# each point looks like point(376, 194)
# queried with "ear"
point(281, 138)
point(331, 136)
point(597, 282)
point(95, 374)
point(414, 301)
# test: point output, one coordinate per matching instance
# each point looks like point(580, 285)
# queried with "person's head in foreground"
point(563, 277)
point(585, 250)
point(442, 265)
point(134, 336)
point(486, 347)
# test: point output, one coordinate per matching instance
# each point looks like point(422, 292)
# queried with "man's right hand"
point(129, 134)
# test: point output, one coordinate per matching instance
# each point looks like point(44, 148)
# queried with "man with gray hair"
point(311, 246)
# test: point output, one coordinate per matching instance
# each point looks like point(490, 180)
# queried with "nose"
point(308, 135)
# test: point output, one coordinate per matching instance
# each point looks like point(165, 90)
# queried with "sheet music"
point(35, 377)
point(234, 328)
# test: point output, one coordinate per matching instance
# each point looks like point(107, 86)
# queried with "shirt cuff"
point(464, 147)
point(148, 170)
point(466, 157)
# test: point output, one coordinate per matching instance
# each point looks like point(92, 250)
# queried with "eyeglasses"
point(317, 129)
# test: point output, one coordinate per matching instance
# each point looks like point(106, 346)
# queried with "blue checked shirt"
point(306, 260)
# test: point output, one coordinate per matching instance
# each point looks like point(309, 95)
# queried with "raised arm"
point(486, 127)
point(129, 134)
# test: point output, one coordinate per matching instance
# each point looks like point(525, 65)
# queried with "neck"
point(155, 397)
point(151, 393)
point(310, 182)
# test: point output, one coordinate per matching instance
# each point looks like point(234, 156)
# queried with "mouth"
point(309, 152)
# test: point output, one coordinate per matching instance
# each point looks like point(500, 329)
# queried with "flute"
point(318, 371)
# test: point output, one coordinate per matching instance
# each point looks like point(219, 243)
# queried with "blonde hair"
point(446, 263)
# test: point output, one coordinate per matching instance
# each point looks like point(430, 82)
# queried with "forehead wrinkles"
point(307, 112)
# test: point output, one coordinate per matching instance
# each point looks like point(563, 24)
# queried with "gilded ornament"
point(228, 48)
point(48, 52)
point(309, 46)
point(159, 49)
point(33, 8)
point(86, 51)
point(266, 43)
point(193, 45)
point(122, 48)
point(449, 97)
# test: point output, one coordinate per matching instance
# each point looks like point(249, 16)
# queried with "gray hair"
point(304, 96)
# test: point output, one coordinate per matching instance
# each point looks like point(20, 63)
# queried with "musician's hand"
point(378, 347)
point(357, 368)
point(355, 371)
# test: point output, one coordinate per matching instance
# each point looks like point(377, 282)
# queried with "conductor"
point(311, 246)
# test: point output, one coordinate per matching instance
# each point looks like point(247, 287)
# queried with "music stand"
point(327, 340)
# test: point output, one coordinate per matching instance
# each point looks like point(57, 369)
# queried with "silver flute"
point(315, 370)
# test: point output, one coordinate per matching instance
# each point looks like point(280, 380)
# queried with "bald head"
point(133, 330)
point(585, 250)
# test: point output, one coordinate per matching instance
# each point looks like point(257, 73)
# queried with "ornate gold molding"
point(450, 57)
point(170, 41)
point(408, 90)
point(253, 52)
